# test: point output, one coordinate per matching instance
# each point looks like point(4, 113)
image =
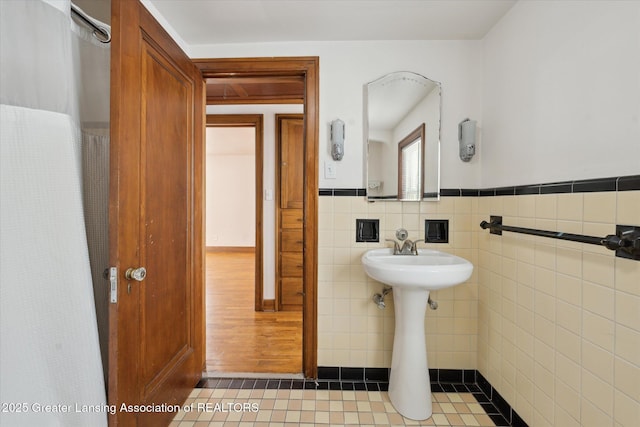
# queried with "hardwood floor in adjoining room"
point(240, 339)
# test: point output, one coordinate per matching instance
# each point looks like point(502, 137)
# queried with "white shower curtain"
point(54, 114)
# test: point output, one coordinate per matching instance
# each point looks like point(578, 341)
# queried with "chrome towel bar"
point(626, 241)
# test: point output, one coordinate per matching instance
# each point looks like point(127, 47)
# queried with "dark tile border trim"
point(450, 192)
point(629, 183)
point(377, 379)
point(343, 192)
point(621, 183)
point(499, 402)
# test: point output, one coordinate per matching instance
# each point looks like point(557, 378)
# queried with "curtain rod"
point(100, 33)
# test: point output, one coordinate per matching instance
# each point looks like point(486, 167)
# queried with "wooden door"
point(290, 129)
point(290, 242)
point(156, 338)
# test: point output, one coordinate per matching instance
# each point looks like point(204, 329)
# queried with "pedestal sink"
point(412, 277)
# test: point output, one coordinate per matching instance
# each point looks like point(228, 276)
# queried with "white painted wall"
point(561, 94)
point(345, 67)
point(268, 180)
point(230, 186)
point(555, 87)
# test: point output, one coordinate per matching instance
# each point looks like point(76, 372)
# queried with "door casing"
point(308, 68)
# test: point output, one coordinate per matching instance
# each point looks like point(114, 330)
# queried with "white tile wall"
point(352, 331)
point(553, 325)
point(570, 354)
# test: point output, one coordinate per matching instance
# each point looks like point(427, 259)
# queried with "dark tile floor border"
point(377, 379)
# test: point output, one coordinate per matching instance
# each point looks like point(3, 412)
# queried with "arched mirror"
point(402, 130)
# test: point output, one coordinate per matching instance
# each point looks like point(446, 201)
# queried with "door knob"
point(137, 274)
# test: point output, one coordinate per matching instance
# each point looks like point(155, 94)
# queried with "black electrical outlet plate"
point(367, 230)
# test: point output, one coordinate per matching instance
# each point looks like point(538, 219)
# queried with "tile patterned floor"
point(253, 403)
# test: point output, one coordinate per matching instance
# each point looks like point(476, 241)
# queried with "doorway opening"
point(232, 81)
point(244, 333)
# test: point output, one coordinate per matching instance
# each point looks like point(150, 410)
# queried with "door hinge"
point(113, 283)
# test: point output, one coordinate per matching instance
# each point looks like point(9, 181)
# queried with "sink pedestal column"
point(409, 385)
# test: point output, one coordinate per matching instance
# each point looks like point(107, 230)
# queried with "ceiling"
point(255, 21)
point(201, 22)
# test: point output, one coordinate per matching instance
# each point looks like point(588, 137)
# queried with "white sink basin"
point(431, 270)
point(412, 277)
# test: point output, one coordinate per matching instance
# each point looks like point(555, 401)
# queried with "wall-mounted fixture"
point(367, 230)
point(467, 139)
point(379, 298)
point(436, 231)
point(337, 139)
point(404, 246)
point(626, 241)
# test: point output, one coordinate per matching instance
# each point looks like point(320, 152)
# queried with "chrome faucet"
point(396, 247)
point(408, 247)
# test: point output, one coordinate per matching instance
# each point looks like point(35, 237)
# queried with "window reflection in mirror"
point(410, 174)
point(396, 106)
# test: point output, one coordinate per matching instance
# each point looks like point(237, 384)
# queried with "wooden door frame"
point(255, 121)
point(308, 68)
